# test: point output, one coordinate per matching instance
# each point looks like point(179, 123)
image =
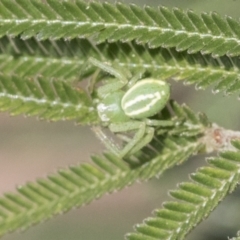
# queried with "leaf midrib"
point(121, 26)
point(53, 103)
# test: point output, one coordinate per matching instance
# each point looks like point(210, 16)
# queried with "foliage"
point(44, 51)
point(52, 100)
point(209, 33)
point(196, 199)
point(67, 60)
point(37, 201)
point(81, 184)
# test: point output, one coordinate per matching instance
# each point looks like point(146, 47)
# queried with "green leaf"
point(82, 183)
point(50, 100)
point(186, 123)
point(202, 70)
point(210, 33)
point(28, 58)
point(69, 61)
point(194, 200)
point(85, 182)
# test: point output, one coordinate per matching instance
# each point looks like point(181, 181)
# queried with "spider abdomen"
point(146, 98)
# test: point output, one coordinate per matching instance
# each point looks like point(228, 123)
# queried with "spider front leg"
point(135, 78)
point(109, 143)
point(142, 136)
point(147, 138)
point(149, 133)
point(159, 123)
point(113, 86)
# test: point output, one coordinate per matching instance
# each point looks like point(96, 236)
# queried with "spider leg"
point(92, 82)
point(109, 88)
point(113, 86)
point(149, 133)
point(135, 78)
point(147, 138)
point(137, 141)
point(107, 68)
point(125, 138)
point(109, 144)
point(159, 123)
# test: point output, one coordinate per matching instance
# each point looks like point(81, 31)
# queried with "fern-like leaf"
point(69, 60)
point(188, 124)
point(52, 59)
point(202, 70)
point(50, 100)
point(197, 199)
point(54, 19)
point(81, 184)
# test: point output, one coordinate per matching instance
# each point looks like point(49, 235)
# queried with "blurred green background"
point(30, 149)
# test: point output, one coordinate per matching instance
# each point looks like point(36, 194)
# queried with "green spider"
point(125, 106)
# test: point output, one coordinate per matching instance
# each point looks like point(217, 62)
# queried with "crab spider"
point(125, 106)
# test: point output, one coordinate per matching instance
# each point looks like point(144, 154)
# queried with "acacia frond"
point(53, 59)
point(202, 70)
point(196, 199)
point(80, 184)
point(188, 124)
point(50, 100)
point(68, 60)
point(161, 26)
